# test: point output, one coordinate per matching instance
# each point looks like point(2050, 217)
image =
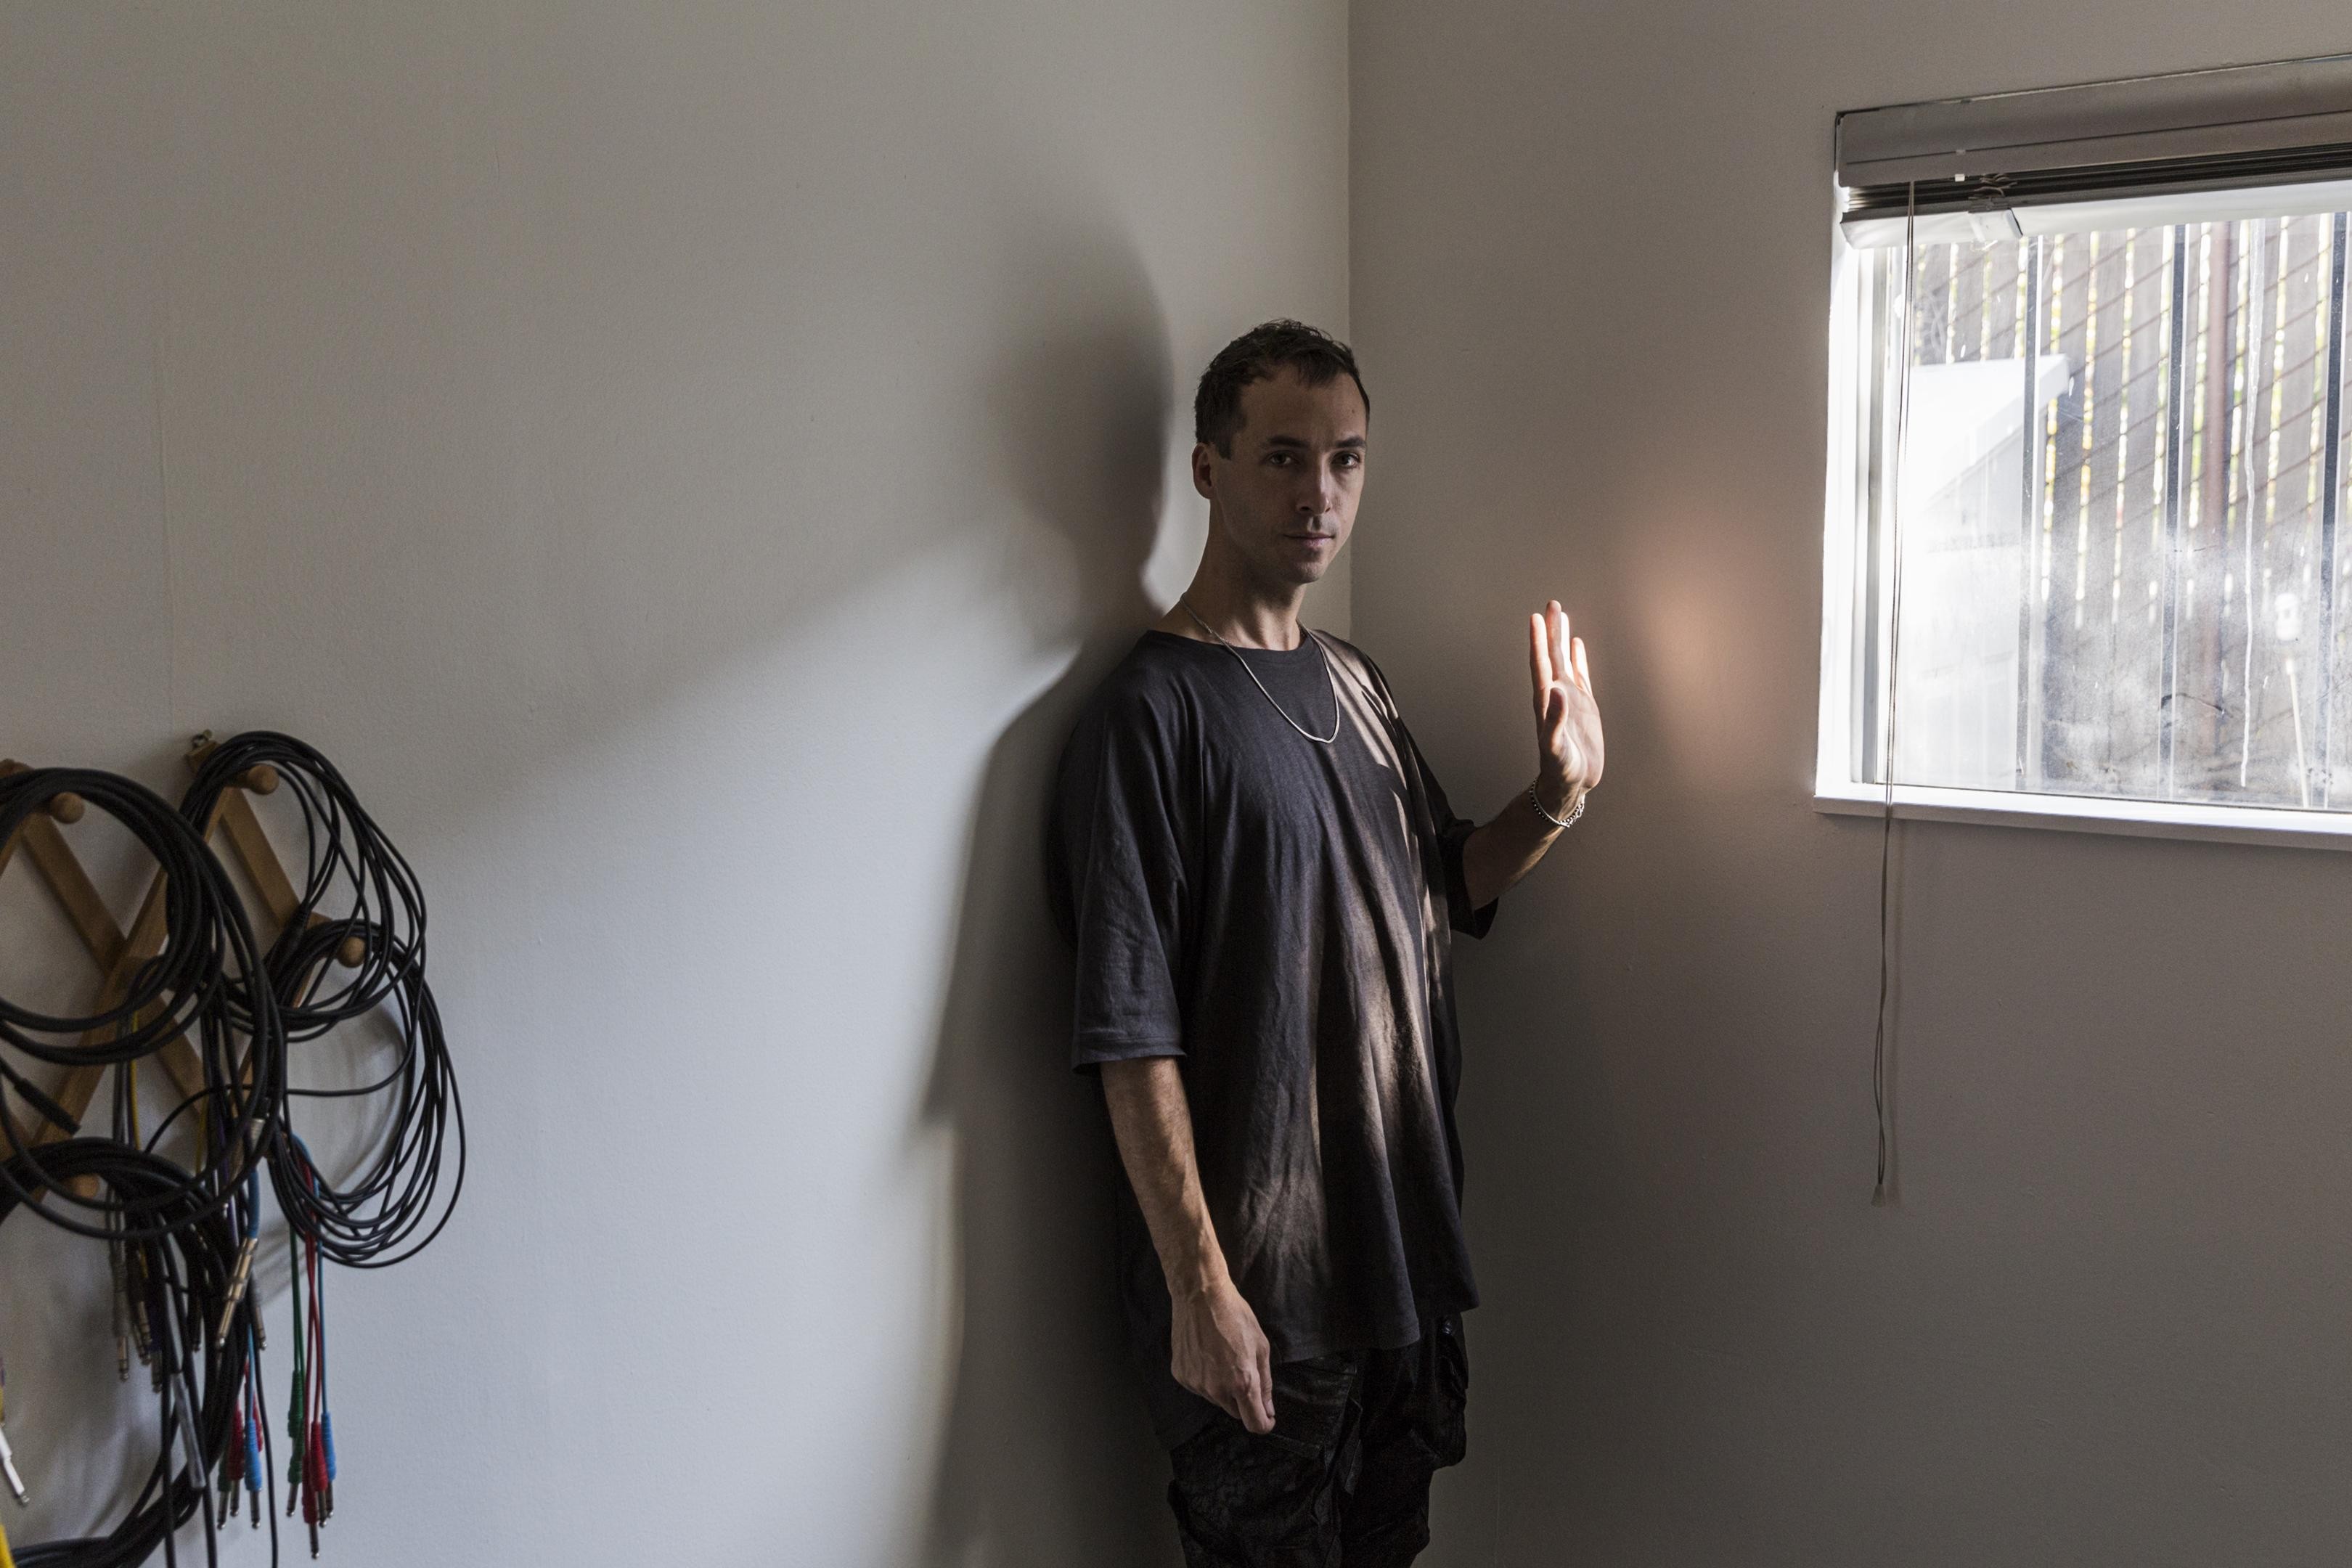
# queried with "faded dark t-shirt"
point(1278, 915)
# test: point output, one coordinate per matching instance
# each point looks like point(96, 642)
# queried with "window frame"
point(1861, 431)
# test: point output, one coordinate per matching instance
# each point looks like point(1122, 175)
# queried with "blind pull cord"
point(1878, 1196)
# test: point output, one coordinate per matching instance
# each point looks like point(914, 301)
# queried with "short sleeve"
point(1115, 869)
point(1452, 833)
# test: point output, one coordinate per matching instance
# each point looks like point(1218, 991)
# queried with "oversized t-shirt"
point(1277, 915)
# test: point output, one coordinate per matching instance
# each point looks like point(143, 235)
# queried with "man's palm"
point(1567, 720)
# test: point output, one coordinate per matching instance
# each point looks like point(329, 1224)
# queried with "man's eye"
point(1347, 460)
point(1279, 460)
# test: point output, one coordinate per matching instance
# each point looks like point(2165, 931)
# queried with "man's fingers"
point(1242, 1405)
point(1264, 1390)
point(1234, 1395)
point(1559, 641)
point(1244, 1399)
point(1539, 653)
point(1583, 670)
point(1253, 1412)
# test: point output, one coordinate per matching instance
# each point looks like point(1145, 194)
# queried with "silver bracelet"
point(1573, 812)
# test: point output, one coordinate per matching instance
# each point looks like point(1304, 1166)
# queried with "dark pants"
point(1342, 1481)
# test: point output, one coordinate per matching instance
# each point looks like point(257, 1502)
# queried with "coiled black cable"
point(165, 996)
point(371, 1219)
point(352, 873)
point(209, 980)
point(358, 898)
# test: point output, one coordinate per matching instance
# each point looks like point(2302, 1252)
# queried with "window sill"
point(2273, 825)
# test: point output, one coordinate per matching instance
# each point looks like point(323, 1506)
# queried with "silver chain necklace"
point(1328, 678)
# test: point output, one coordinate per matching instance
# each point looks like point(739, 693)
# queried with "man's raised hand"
point(1568, 721)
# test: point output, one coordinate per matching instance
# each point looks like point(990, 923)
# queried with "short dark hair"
point(1257, 355)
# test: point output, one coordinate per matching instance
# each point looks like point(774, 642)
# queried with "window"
point(2089, 460)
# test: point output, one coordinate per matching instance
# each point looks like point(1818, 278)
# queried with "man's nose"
point(1320, 498)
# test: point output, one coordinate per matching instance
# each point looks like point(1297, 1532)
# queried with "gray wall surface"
point(2105, 1322)
point(683, 462)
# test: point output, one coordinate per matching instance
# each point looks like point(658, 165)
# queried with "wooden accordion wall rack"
point(217, 1009)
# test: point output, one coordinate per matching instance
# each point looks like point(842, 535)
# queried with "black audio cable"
point(209, 983)
point(352, 873)
point(371, 1218)
point(165, 995)
point(359, 901)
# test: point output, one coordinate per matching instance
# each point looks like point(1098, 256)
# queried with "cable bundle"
point(182, 1277)
point(370, 1221)
point(345, 856)
point(209, 980)
point(378, 930)
point(183, 1241)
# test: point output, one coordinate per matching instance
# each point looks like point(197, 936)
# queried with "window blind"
point(1981, 167)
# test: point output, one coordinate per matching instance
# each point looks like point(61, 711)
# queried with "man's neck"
point(1236, 613)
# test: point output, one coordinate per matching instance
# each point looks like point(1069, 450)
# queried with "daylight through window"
point(2119, 493)
point(2100, 444)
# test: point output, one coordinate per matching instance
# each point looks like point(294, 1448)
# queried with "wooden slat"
point(61, 869)
point(79, 1085)
point(8, 847)
point(253, 852)
point(55, 860)
point(145, 940)
point(250, 843)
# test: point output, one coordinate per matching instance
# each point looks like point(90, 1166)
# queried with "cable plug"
point(8, 1454)
point(8, 1468)
point(236, 1287)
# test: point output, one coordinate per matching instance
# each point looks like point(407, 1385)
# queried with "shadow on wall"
point(1047, 1459)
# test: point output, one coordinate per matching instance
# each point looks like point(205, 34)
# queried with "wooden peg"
point(259, 779)
point(64, 807)
point(352, 953)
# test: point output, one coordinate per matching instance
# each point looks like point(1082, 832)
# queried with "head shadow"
point(1047, 1459)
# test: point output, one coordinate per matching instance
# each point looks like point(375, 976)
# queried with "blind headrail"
point(2094, 129)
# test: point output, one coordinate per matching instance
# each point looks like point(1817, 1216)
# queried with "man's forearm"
point(1153, 1123)
point(1507, 848)
point(1215, 1347)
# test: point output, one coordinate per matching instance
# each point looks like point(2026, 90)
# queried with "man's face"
point(1285, 501)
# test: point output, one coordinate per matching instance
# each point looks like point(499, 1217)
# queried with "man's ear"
point(1203, 476)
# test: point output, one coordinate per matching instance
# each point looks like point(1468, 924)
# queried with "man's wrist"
point(1199, 1279)
point(1558, 797)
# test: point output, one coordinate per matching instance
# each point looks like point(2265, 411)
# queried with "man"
point(1260, 876)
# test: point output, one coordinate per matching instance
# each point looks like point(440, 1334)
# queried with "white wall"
point(2107, 1322)
point(684, 462)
